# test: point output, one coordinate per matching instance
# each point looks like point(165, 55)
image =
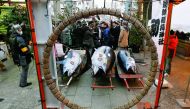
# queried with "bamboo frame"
point(83, 14)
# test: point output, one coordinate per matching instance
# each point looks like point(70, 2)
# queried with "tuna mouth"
point(98, 70)
point(95, 70)
point(68, 73)
point(65, 73)
point(131, 70)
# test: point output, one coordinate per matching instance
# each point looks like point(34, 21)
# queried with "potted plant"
point(135, 40)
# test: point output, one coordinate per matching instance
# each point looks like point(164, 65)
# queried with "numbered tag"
point(72, 63)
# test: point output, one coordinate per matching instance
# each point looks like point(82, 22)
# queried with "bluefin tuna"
point(102, 60)
point(126, 62)
point(75, 64)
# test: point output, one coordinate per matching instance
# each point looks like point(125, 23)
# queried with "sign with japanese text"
point(158, 24)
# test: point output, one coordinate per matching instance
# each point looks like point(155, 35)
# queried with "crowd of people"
point(182, 35)
point(93, 34)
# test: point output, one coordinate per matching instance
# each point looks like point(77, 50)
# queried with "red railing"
point(40, 81)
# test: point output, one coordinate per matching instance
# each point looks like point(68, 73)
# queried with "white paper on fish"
point(71, 63)
point(99, 61)
point(131, 63)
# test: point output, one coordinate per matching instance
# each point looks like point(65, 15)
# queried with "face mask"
point(20, 32)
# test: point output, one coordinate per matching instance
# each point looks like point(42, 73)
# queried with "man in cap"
point(24, 55)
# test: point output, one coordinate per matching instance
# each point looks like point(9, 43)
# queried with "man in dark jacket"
point(88, 41)
point(115, 31)
point(95, 31)
point(24, 55)
point(106, 34)
point(76, 35)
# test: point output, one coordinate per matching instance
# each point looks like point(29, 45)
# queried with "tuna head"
point(71, 62)
point(130, 64)
point(99, 62)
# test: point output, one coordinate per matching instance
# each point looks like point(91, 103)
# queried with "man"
point(173, 41)
point(23, 54)
point(95, 30)
point(88, 41)
point(76, 35)
point(106, 34)
point(115, 31)
point(123, 36)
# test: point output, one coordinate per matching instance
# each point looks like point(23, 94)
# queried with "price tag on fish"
point(72, 63)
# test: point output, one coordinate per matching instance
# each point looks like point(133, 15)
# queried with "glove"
point(24, 49)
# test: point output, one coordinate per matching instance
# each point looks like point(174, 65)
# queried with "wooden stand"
point(129, 76)
point(125, 76)
point(111, 86)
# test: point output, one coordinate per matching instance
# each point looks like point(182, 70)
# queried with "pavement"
point(14, 97)
point(80, 92)
point(180, 73)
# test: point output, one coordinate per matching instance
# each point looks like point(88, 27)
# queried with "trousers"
point(23, 75)
point(167, 68)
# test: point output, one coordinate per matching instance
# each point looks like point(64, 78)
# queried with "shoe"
point(1, 99)
point(28, 84)
point(166, 75)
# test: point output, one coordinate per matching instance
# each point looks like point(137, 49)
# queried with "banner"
point(158, 23)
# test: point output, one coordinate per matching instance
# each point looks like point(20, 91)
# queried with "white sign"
point(158, 23)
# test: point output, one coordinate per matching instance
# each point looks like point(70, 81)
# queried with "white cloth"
point(59, 50)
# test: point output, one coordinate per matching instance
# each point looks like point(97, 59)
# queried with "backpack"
point(14, 49)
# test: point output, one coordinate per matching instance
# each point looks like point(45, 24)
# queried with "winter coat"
point(115, 31)
point(106, 33)
point(123, 38)
point(173, 41)
point(24, 57)
point(88, 39)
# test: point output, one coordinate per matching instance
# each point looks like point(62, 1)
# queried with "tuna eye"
point(109, 55)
